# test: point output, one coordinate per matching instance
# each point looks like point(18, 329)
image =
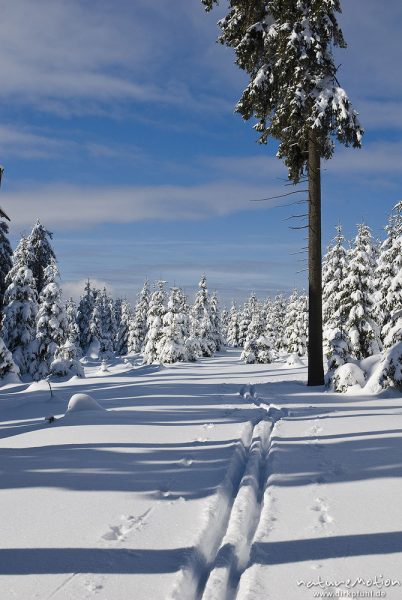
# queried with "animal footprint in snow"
point(130, 523)
point(315, 429)
point(114, 533)
point(325, 518)
point(321, 507)
point(93, 587)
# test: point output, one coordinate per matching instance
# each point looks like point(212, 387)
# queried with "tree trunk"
point(315, 358)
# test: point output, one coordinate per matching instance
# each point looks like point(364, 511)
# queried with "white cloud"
point(371, 160)
point(29, 143)
point(235, 183)
point(25, 143)
point(74, 207)
point(68, 58)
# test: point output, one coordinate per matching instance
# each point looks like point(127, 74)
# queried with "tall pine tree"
point(286, 49)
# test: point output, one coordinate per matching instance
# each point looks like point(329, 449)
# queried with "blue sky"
point(118, 132)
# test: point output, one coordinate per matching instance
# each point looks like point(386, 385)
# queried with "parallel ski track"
point(222, 552)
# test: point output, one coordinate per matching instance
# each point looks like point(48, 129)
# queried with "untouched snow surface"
point(215, 480)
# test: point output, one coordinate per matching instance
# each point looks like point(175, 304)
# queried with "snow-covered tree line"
point(41, 335)
point(362, 302)
point(34, 326)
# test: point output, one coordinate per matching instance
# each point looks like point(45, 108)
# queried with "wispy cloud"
point(73, 206)
point(34, 143)
point(372, 160)
point(67, 58)
point(233, 184)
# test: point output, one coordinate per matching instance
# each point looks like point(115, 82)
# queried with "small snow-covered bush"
point(348, 376)
point(250, 351)
point(265, 352)
point(338, 349)
point(66, 362)
point(389, 371)
point(293, 360)
point(61, 367)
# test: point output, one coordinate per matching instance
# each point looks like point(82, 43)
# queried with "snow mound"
point(347, 377)
point(294, 360)
point(41, 385)
point(83, 402)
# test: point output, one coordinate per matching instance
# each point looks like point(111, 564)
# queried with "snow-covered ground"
point(213, 480)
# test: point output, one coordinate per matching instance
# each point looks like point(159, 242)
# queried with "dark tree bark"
point(315, 354)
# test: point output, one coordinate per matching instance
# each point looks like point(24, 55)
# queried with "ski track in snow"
point(222, 552)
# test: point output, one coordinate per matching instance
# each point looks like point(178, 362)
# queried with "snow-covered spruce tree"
point(73, 331)
point(66, 360)
point(269, 343)
point(124, 319)
point(276, 322)
point(338, 353)
point(84, 314)
point(191, 343)
point(51, 325)
point(334, 295)
point(172, 346)
point(156, 313)
point(138, 325)
point(20, 259)
point(101, 323)
point(112, 327)
point(40, 254)
point(7, 365)
point(247, 313)
point(295, 325)
point(225, 317)
point(388, 281)
point(19, 327)
point(117, 311)
point(6, 262)
point(201, 328)
point(232, 336)
point(217, 336)
point(257, 346)
point(286, 49)
point(360, 323)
